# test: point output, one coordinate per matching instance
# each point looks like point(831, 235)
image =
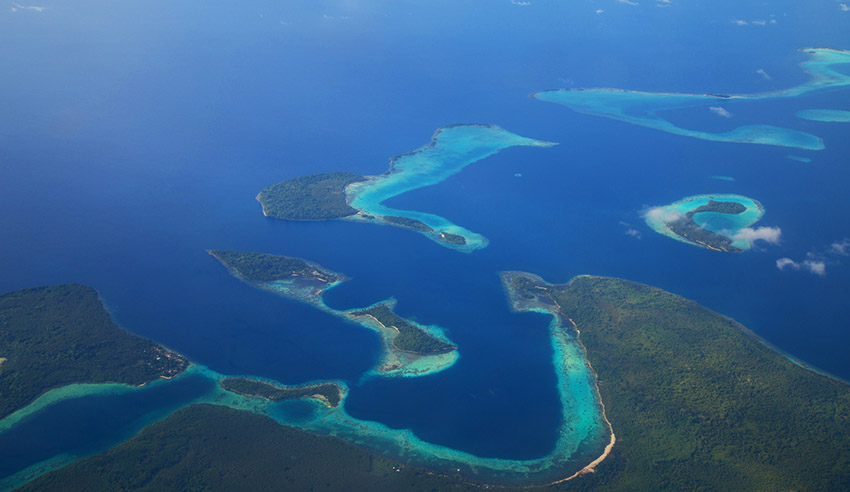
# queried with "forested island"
point(59, 335)
point(314, 197)
point(261, 267)
point(410, 338)
point(690, 230)
point(329, 393)
point(697, 401)
point(686, 221)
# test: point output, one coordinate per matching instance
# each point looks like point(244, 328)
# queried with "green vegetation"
point(315, 197)
point(212, 448)
point(327, 392)
point(453, 238)
point(261, 267)
point(58, 335)
point(698, 403)
point(416, 225)
point(410, 338)
point(732, 208)
point(690, 230)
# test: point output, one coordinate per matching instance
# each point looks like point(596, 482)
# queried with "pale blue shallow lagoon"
point(135, 136)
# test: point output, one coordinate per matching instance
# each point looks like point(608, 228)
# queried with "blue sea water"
point(134, 136)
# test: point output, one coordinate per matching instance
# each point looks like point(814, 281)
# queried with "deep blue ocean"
point(135, 135)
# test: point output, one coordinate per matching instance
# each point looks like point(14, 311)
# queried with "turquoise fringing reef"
point(451, 149)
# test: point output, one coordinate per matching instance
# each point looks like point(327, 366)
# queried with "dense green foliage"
point(410, 338)
point(314, 197)
point(211, 448)
point(261, 267)
point(699, 404)
point(690, 230)
point(54, 336)
point(732, 208)
point(414, 224)
point(453, 238)
point(251, 387)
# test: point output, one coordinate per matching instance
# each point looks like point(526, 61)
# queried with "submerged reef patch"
point(642, 108)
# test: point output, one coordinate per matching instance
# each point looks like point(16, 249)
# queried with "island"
point(715, 222)
point(328, 393)
point(315, 197)
point(698, 402)
point(410, 338)
point(59, 335)
point(410, 349)
point(349, 196)
point(645, 108)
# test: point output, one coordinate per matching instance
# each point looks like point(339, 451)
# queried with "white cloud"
point(17, 6)
point(769, 235)
point(599, 11)
point(759, 22)
point(844, 7)
point(664, 215)
point(633, 233)
point(629, 2)
point(720, 111)
point(520, 3)
point(816, 267)
point(764, 74)
point(781, 263)
point(841, 248)
point(739, 22)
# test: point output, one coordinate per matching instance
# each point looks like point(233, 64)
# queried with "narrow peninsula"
point(59, 335)
point(715, 222)
point(410, 349)
point(343, 195)
point(329, 393)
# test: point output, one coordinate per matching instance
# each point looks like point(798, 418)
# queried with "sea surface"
point(135, 135)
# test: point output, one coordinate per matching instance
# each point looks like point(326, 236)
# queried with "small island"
point(410, 349)
point(416, 225)
point(410, 338)
point(690, 230)
point(59, 335)
point(343, 195)
point(314, 197)
point(713, 222)
point(328, 393)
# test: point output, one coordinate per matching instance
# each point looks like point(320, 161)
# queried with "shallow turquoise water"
point(825, 115)
point(641, 108)
point(451, 149)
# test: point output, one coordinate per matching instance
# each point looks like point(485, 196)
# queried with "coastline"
point(393, 362)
